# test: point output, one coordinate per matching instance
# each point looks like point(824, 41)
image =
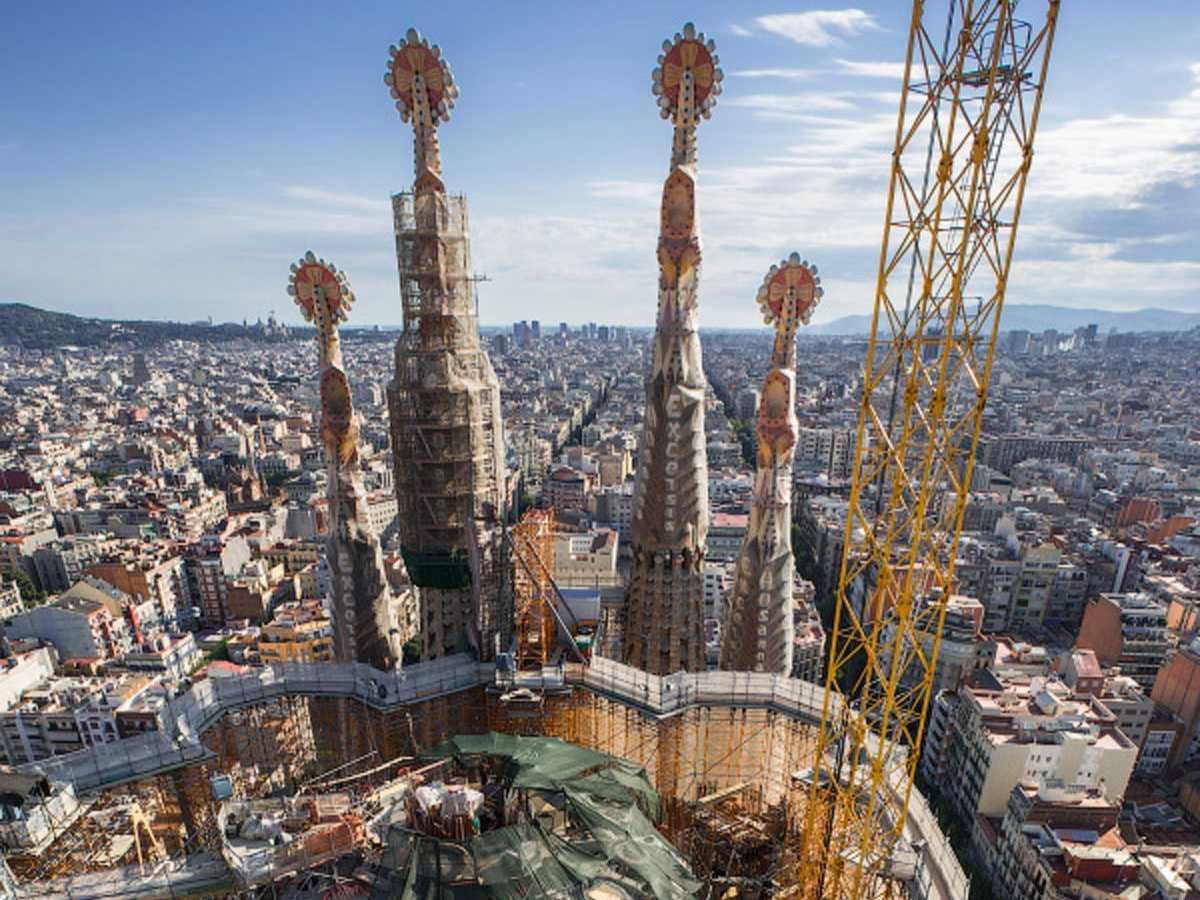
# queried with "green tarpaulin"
point(611, 805)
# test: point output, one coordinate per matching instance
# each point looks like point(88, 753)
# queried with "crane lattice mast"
point(963, 148)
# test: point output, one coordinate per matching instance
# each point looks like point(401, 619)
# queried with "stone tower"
point(444, 400)
point(664, 606)
point(759, 631)
point(365, 615)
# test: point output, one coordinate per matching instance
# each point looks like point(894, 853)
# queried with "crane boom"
point(963, 148)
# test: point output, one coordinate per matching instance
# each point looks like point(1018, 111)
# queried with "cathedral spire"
point(423, 87)
point(364, 613)
point(664, 627)
point(444, 400)
point(759, 633)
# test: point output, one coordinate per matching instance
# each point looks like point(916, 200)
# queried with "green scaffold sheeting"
point(611, 799)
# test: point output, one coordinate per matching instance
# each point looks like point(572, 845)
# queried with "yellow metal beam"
point(963, 147)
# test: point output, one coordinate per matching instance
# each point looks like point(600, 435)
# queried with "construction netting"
point(603, 845)
point(448, 571)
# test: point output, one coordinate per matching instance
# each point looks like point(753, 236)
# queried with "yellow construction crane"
point(964, 143)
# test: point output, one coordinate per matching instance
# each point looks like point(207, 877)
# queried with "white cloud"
point(790, 105)
point(333, 198)
point(808, 107)
point(893, 71)
point(1111, 214)
point(818, 27)
point(790, 74)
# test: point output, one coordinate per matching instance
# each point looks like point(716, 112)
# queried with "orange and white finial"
point(687, 80)
point(420, 80)
point(320, 290)
point(793, 278)
point(423, 87)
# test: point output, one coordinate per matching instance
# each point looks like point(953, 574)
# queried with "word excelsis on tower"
point(664, 625)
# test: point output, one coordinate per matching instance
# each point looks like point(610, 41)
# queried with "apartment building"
point(1033, 586)
point(586, 559)
point(79, 627)
point(1054, 838)
point(1009, 728)
point(726, 532)
point(1124, 698)
point(10, 599)
point(150, 572)
point(568, 489)
point(1002, 452)
point(827, 450)
point(61, 563)
point(209, 562)
point(1128, 631)
point(63, 715)
point(808, 653)
point(1177, 688)
point(963, 647)
point(301, 631)
point(22, 671)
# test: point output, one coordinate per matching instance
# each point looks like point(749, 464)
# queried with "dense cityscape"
point(164, 512)
point(899, 607)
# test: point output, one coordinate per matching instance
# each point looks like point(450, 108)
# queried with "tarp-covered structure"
point(609, 847)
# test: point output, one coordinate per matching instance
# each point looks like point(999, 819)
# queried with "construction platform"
point(728, 754)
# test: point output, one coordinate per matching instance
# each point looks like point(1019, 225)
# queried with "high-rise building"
point(1034, 586)
point(962, 650)
point(444, 401)
point(664, 606)
point(759, 633)
point(366, 620)
point(141, 371)
point(747, 404)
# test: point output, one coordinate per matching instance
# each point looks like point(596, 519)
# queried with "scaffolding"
point(267, 746)
point(697, 735)
point(532, 589)
point(444, 398)
point(107, 831)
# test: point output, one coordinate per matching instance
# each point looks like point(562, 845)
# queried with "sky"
point(170, 159)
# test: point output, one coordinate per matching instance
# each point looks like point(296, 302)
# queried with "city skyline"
point(187, 156)
point(529, 596)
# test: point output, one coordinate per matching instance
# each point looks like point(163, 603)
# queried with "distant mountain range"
point(27, 326)
point(41, 329)
point(1039, 317)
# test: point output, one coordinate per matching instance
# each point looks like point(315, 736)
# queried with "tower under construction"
point(664, 606)
point(365, 619)
point(444, 400)
point(759, 635)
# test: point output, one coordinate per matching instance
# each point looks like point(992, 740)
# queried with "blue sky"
point(170, 159)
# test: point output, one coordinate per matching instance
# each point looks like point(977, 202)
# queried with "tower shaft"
point(759, 630)
point(364, 611)
point(444, 399)
point(664, 622)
